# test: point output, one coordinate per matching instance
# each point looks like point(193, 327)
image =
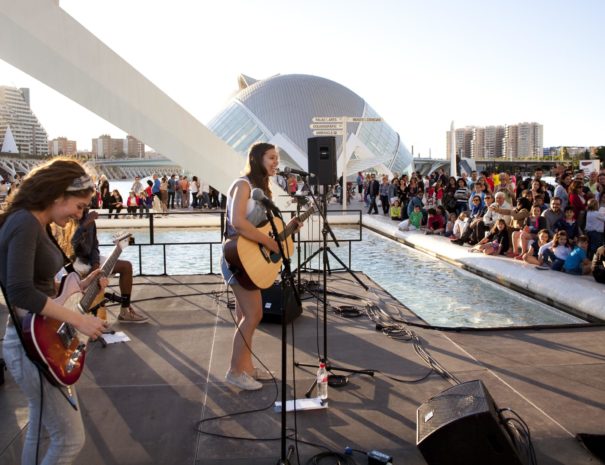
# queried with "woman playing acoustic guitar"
point(29, 260)
point(243, 216)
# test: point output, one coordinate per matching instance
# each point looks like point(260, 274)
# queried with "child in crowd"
point(532, 255)
point(594, 226)
point(568, 224)
point(576, 262)
point(555, 252)
point(450, 225)
point(132, 204)
point(413, 222)
point(395, 210)
point(528, 232)
point(435, 223)
point(496, 242)
point(460, 225)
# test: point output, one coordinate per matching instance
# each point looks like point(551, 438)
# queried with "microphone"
point(258, 195)
point(287, 170)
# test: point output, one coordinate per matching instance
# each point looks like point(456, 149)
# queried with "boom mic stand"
point(288, 291)
point(324, 249)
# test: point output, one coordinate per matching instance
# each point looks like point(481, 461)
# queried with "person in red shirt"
point(435, 223)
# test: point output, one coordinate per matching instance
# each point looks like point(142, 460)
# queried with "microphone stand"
point(288, 289)
point(324, 249)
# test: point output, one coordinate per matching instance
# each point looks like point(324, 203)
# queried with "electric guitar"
point(257, 266)
point(58, 345)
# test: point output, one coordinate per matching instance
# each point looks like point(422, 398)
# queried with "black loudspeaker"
point(461, 426)
point(278, 303)
point(322, 160)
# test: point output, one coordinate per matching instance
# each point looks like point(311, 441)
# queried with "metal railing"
point(150, 262)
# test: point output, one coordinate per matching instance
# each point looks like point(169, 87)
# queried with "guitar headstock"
point(123, 239)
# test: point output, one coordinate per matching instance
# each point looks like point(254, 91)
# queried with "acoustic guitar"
point(56, 344)
point(257, 266)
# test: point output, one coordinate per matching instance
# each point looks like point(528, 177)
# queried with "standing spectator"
point(595, 219)
point(155, 188)
point(104, 190)
point(184, 185)
point(373, 191)
point(462, 194)
point(384, 195)
point(561, 190)
point(132, 204)
point(194, 188)
point(145, 202)
point(164, 194)
point(204, 195)
point(359, 181)
point(171, 190)
point(137, 185)
point(577, 201)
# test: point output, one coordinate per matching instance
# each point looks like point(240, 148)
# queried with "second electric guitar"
point(257, 266)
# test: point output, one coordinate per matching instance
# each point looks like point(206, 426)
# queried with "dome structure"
point(280, 110)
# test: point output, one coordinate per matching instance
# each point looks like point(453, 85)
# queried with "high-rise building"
point(62, 146)
point(523, 140)
point(30, 137)
point(107, 147)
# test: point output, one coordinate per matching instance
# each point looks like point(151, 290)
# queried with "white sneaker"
point(243, 381)
point(260, 374)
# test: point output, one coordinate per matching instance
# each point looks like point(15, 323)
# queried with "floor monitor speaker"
point(461, 426)
point(322, 160)
point(275, 300)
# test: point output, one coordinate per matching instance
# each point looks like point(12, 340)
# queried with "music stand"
point(324, 249)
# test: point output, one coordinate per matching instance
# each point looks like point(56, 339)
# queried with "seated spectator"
point(598, 265)
point(435, 223)
point(568, 224)
point(496, 242)
point(555, 252)
point(460, 225)
point(414, 222)
point(577, 262)
point(395, 210)
point(115, 203)
point(476, 228)
point(449, 226)
point(532, 255)
point(132, 204)
point(530, 228)
point(595, 219)
point(553, 214)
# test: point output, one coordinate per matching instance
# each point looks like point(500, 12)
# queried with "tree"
point(600, 153)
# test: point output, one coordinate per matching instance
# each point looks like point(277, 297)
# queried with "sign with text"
point(326, 126)
point(327, 119)
point(327, 132)
point(355, 119)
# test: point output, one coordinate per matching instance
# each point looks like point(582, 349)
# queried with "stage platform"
point(142, 401)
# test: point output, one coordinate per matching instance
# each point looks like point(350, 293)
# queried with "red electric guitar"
point(58, 345)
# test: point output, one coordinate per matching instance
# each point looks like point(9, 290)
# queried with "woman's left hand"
point(94, 276)
point(296, 223)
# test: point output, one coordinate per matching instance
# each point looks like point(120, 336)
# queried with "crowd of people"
point(158, 194)
point(559, 227)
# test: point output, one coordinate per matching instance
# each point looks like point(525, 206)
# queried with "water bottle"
point(322, 381)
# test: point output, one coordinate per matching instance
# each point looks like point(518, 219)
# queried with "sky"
point(420, 64)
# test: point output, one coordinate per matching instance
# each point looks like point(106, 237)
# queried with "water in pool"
point(441, 294)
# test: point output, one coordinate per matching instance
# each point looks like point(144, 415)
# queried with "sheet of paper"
point(302, 404)
point(118, 336)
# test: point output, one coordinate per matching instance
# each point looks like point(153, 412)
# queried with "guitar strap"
point(67, 263)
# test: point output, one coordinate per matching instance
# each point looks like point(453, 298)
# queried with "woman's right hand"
point(271, 244)
point(91, 326)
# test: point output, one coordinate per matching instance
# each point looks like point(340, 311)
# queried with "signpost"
point(337, 126)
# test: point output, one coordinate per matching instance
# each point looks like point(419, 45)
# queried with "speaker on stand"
point(322, 160)
point(461, 426)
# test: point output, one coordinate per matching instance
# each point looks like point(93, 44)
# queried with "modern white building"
point(15, 112)
point(280, 110)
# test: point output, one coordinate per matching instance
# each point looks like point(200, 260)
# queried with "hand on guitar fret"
point(94, 276)
point(296, 223)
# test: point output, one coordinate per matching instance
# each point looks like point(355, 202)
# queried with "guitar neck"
point(94, 288)
point(292, 227)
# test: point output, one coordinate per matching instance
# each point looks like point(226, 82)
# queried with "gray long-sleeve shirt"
point(29, 261)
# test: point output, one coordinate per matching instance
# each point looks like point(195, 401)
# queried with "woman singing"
point(29, 260)
point(243, 216)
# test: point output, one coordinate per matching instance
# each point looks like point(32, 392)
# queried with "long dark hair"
point(255, 170)
point(44, 184)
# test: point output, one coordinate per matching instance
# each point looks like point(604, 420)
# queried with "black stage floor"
point(142, 400)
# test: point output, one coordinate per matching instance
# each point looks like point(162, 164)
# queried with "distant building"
point(62, 146)
point(15, 112)
point(522, 140)
point(106, 147)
